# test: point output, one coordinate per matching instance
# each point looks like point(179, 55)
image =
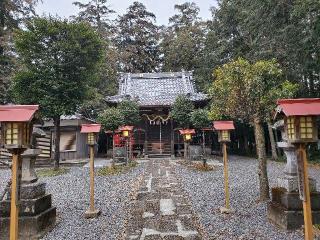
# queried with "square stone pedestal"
point(36, 214)
point(286, 211)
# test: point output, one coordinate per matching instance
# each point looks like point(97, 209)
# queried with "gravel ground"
point(249, 220)
point(70, 194)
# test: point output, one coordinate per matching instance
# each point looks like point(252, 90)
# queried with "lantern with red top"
point(187, 134)
point(16, 126)
point(92, 131)
point(126, 133)
point(300, 122)
point(126, 130)
point(223, 128)
point(300, 118)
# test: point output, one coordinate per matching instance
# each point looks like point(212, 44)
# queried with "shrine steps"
point(158, 155)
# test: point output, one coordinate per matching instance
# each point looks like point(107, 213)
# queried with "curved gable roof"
point(156, 89)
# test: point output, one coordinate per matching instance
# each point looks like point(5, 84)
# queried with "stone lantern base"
point(286, 211)
point(36, 214)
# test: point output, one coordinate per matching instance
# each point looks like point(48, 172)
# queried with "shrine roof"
point(156, 89)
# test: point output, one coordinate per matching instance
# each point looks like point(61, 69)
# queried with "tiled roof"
point(156, 89)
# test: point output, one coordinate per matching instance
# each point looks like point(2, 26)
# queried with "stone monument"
point(285, 208)
point(36, 214)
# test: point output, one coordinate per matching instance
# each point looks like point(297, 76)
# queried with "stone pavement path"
point(161, 210)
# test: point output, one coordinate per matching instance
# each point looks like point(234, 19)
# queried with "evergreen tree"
point(60, 61)
point(12, 15)
point(249, 92)
point(183, 40)
point(137, 40)
point(97, 13)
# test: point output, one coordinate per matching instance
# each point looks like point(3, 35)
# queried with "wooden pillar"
point(172, 139)
point(305, 192)
point(226, 177)
point(203, 143)
point(146, 139)
point(15, 192)
point(91, 178)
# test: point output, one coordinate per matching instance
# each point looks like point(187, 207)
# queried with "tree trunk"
point(56, 123)
point(261, 152)
point(272, 141)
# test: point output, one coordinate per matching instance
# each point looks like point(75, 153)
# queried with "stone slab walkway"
point(161, 210)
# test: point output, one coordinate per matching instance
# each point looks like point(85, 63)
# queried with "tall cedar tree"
point(97, 13)
point(183, 40)
point(287, 31)
point(249, 92)
point(12, 15)
point(137, 40)
point(60, 60)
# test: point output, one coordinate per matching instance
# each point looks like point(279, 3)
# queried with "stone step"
point(159, 155)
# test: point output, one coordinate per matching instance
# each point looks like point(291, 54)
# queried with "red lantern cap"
point(126, 128)
point(299, 107)
point(187, 131)
point(90, 128)
point(223, 125)
point(17, 113)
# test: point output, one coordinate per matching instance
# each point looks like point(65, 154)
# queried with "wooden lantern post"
point(301, 128)
point(16, 128)
point(91, 130)
point(224, 128)
point(126, 133)
point(187, 137)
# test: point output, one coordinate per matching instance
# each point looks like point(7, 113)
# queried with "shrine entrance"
point(158, 134)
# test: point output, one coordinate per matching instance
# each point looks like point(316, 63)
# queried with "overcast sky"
point(163, 9)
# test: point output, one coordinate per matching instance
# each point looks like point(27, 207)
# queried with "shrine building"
point(157, 133)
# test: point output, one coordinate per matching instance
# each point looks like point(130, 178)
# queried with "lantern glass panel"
point(188, 137)
point(306, 127)
point(225, 135)
point(125, 133)
point(91, 139)
point(11, 133)
point(290, 128)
